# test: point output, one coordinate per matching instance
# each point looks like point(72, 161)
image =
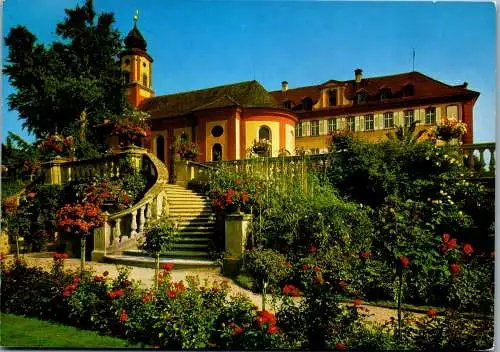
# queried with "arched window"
point(145, 80)
point(361, 97)
point(160, 148)
point(216, 152)
point(264, 133)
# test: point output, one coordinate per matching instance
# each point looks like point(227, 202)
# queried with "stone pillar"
point(54, 175)
point(101, 234)
point(236, 228)
point(183, 173)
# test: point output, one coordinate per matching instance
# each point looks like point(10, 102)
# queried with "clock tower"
point(135, 65)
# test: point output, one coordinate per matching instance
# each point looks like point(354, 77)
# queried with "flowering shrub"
point(107, 193)
point(229, 191)
point(58, 145)
point(449, 129)
point(184, 148)
point(131, 131)
point(79, 219)
point(261, 147)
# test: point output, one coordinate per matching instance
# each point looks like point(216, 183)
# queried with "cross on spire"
point(136, 16)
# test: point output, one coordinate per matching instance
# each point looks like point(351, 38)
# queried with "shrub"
point(268, 267)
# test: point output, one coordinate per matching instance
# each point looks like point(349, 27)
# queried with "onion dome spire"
point(134, 39)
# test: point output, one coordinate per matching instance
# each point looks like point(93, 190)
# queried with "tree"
point(71, 85)
point(19, 156)
point(159, 236)
point(406, 134)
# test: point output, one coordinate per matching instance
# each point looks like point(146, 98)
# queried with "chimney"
point(358, 75)
point(465, 84)
point(284, 86)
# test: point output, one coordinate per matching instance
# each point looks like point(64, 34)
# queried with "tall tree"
point(72, 82)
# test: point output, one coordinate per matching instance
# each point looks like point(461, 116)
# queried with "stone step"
point(148, 262)
point(190, 254)
point(190, 246)
point(194, 239)
point(200, 220)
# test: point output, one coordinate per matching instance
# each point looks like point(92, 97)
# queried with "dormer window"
point(332, 98)
point(307, 103)
point(408, 90)
point(385, 94)
point(287, 104)
point(361, 97)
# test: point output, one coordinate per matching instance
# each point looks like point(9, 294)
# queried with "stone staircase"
point(196, 220)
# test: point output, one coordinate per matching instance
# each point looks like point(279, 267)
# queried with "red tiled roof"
point(424, 87)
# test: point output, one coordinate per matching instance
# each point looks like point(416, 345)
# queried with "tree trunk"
point(157, 269)
point(400, 291)
point(264, 289)
point(83, 242)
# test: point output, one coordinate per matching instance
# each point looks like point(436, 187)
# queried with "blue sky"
point(198, 44)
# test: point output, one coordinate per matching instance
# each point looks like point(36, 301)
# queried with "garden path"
point(145, 276)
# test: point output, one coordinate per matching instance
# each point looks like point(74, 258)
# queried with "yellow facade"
point(319, 144)
point(252, 133)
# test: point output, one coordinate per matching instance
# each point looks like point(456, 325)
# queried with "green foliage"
point(229, 191)
point(159, 236)
point(267, 266)
point(56, 91)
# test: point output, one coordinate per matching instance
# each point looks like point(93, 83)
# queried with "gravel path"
point(145, 276)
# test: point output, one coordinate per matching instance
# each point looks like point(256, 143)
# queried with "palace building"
point(225, 121)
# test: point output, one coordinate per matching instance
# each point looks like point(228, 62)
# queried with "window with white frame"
point(332, 125)
point(315, 128)
point(430, 116)
point(409, 117)
point(299, 130)
point(369, 122)
point(351, 123)
point(388, 119)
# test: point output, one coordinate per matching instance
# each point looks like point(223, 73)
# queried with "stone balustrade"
point(485, 166)
point(121, 230)
point(298, 166)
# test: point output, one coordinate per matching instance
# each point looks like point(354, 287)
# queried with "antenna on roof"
point(413, 60)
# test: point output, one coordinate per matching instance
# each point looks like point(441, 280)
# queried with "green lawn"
point(18, 331)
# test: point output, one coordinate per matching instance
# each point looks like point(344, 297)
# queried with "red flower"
point(179, 286)
point(147, 298)
point(98, 278)
point(452, 244)
point(317, 269)
point(245, 198)
point(468, 249)
point(31, 195)
point(431, 313)
point(290, 290)
point(306, 267)
point(123, 316)
point(67, 293)
point(171, 294)
point(60, 256)
point(404, 261)
point(339, 346)
point(365, 255)
point(266, 317)
point(446, 237)
point(455, 268)
point(312, 249)
point(237, 330)
point(238, 182)
point(76, 280)
point(357, 302)
point(167, 266)
point(273, 330)
point(160, 275)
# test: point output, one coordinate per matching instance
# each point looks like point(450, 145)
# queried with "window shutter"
point(322, 128)
point(438, 115)
point(377, 121)
point(361, 123)
point(307, 128)
point(356, 123)
point(397, 118)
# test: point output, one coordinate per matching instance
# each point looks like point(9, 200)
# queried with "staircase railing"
point(121, 230)
point(480, 168)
